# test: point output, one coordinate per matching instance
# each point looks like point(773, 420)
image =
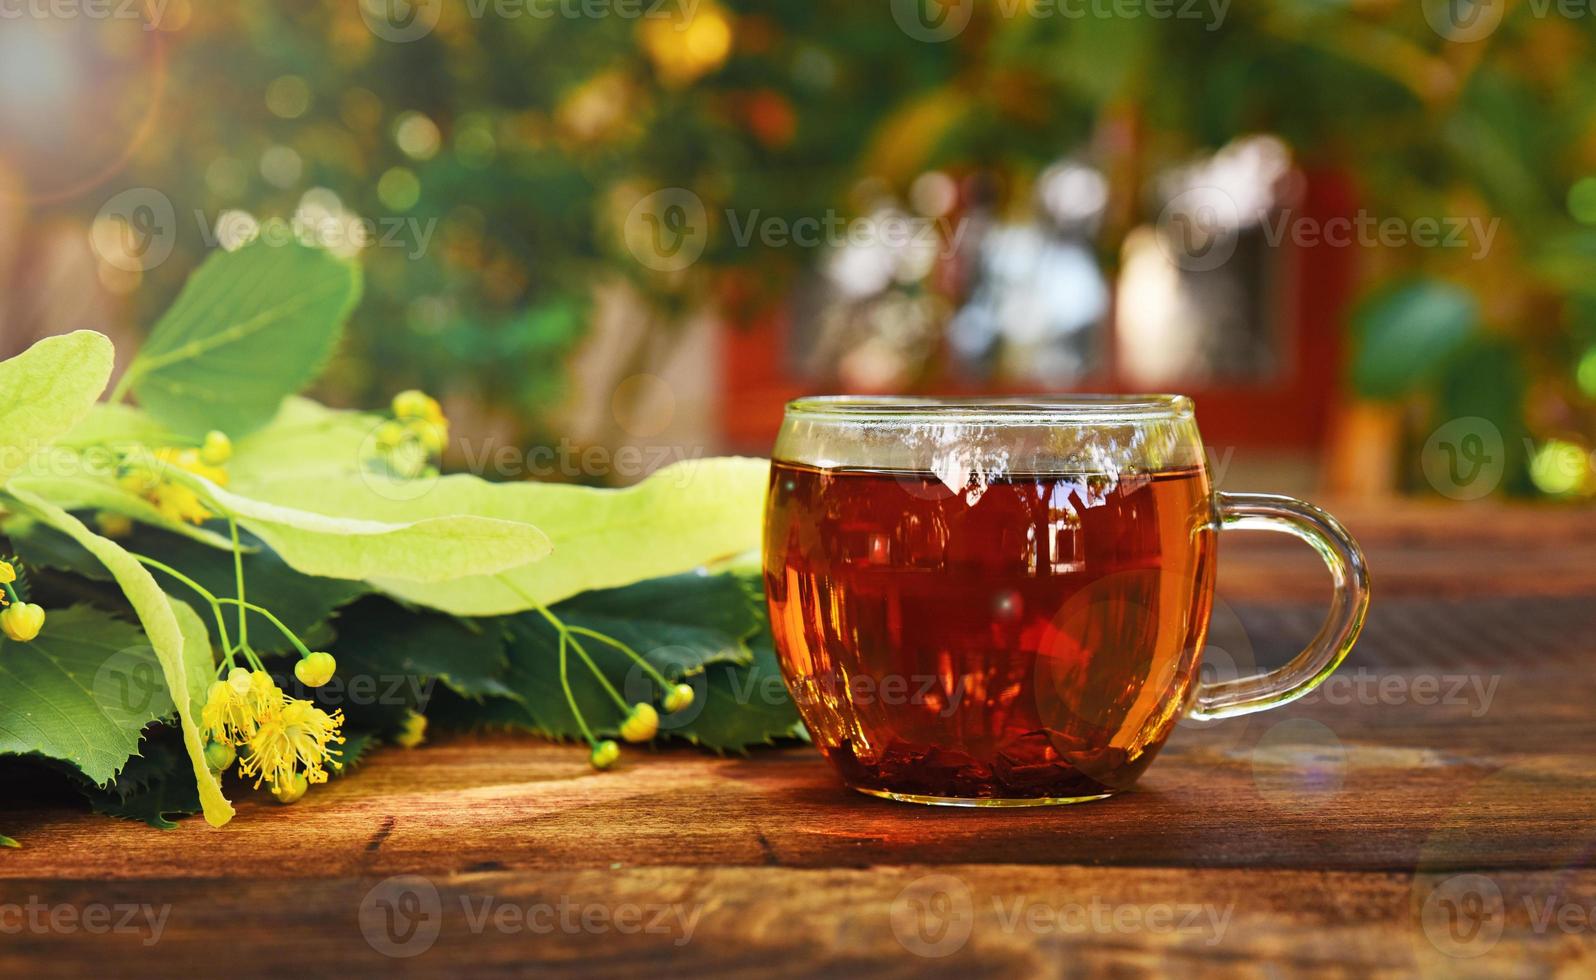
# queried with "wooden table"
point(1435, 814)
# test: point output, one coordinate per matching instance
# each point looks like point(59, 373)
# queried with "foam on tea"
point(1017, 637)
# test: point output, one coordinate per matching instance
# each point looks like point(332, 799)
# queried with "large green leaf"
point(249, 328)
point(155, 788)
point(744, 705)
point(81, 691)
point(697, 511)
point(383, 642)
point(305, 441)
point(46, 390)
point(682, 517)
point(302, 602)
point(165, 630)
point(411, 546)
point(680, 624)
point(1406, 335)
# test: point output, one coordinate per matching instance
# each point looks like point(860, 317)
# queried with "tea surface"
point(1035, 636)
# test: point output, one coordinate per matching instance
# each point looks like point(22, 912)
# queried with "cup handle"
point(1348, 605)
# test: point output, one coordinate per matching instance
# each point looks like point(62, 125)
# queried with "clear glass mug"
point(1004, 602)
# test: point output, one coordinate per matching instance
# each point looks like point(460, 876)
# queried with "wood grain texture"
point(1458, 744)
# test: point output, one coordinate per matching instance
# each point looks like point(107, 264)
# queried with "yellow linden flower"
point(7, 573)
point(113, 525)
point(414, 731)
point(175, 502)
point(235, 707)
point(189, 459)
point(22, 621)
point(292, 740)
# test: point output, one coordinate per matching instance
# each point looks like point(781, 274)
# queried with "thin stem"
point(617, 644)
point(603, 681)
point(12, 593)
point(238, 575)
point(215, 604)
point(304, 651)
point(565, 682)
point(123, 385)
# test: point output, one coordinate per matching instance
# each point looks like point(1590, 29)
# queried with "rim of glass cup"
point(1018, 409)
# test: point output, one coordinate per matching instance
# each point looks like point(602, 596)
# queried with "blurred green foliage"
point(529, 136)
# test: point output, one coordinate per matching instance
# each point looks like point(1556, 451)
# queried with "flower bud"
point(679, 697)
point(604, 754)
point(217, 448)
point(414, 731)
point(413, 404)
point(7, 573)
point(316, 669)
point(291, 791)
point(22, 621)
point(642, 724)
point(219, 756)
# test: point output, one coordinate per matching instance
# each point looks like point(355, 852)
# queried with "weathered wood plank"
point(955, 920)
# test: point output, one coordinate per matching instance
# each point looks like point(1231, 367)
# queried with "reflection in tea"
point(1027, 637)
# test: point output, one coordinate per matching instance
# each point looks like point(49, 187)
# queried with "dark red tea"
point(1031, 638)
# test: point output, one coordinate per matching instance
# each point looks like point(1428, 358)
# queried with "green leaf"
point(249, 328)
point(305, 441)
point(382, 641)
point(1407, 334)
point(46, 390)
point(73, 481)
point(315, 459)
point(161, 624)
point(302, 602)
point(155, 788)
point(743, 706)
point(684, 516)
point(680, 623)
point(120, 427)
point(8, 842)
point(413, 547)
point(81, 691)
